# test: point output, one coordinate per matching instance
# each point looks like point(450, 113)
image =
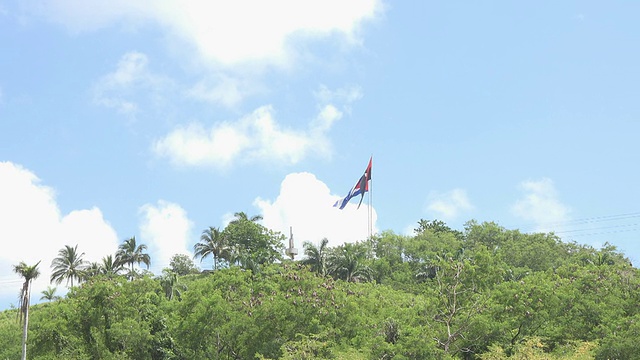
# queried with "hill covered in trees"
point(482, 293)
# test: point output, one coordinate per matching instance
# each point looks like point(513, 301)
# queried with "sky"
point(152, 119)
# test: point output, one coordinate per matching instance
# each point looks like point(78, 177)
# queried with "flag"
point(361, 187)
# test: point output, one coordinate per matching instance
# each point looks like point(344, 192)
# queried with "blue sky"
point(157, 120)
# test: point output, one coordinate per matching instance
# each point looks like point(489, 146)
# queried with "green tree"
point(108, 266)
point(28, 273)
point(521, 309)
point(348, 263)
point(533, 348)
point(436, 296)
point(10, 335)
point(68, 265)
point(49, 294)
point(251, 244)
point(242, 216)
point(316, 256)
point(112, 318)
point(430, 244)
point(182, 264)
point(212, 242)
point(437, 226)
point(622, 344)
point(389, 264)
point(460, 292)
point(170, 282)
point(306, 348)
point(92, 269)
point(111, 266)
point(129, 252)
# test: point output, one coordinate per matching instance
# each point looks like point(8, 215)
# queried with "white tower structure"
point(291, 251)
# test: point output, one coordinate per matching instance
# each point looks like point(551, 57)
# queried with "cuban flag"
point(361, 187)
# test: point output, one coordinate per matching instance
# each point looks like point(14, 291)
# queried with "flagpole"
point(369, 217)
point(369, 212)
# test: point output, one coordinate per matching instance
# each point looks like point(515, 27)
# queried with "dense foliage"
point(482, 293)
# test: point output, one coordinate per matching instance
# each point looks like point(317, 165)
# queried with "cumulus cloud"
point(256, 137)
point(33, 229)
point(222, 89)
point(224, 33)
point(165, 228)
point(540, 204)
point(346, 95)
point(117, 89)
point(234, 41)
point(449, 205)
point(306, 204)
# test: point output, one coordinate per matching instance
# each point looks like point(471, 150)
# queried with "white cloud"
point(165, 228)
point(132, 74)
point(227, 218)
point(409, 230)
point(234, 41)
point(224, 32)
point(540, 204)
point(194, 145)
point(255, 137)
point(450, 204)
point(90, 231)
point(32, 229)
point(222, 89)
point(306, 204)
point(328, 112)
point(346, 95)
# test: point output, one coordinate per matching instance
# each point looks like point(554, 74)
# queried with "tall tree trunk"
point(25, 325)
point(24, 335)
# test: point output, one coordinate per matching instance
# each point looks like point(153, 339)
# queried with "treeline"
point(482, 293)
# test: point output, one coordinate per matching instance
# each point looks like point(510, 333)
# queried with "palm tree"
point(129, 252)
point(49, 294)
point(29, 273)
point(316, 256)
point(111, 267)
point(68, 265)
point(243, 258)
point(347, 264)
point(236, 255)
point(242, 216)
point(250, 244)
point(212, 242)
point(91, 270)
point(171, 285)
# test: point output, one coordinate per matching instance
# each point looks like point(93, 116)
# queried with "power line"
point(4, 282)
point(607, 232)
point(596, 228)
point(583, 221)
point(613, 229)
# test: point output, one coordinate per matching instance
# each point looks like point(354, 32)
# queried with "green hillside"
point(482, 293)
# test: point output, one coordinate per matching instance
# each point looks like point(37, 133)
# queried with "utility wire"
point(569, 223)
point(596, 228)
point(607, 232)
